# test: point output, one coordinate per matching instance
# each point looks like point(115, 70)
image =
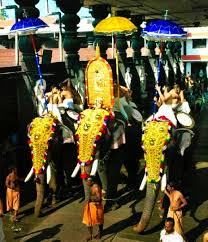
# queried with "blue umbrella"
point(28, 26)
point(161, 31)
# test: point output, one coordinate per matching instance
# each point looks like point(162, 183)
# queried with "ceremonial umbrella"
point(115, 25)
point(162, 31)
point(28, 26)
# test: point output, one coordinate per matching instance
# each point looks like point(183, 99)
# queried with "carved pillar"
point(137, 42)
point(71, 43)
point(27, 103)
point(100, 12)
point(27, 9)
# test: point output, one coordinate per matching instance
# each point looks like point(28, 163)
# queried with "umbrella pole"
point(39, 69)
point(157, 82)
point(112, 37)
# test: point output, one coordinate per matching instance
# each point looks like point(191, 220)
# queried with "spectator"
point(168, 234)
point(177, 202)
point(13, 193)
point(93, 211)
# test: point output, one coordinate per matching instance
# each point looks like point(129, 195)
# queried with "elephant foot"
point(111, 207)
point(137, 229)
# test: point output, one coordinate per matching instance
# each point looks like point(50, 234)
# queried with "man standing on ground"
point(93, 210)
point(177, 202)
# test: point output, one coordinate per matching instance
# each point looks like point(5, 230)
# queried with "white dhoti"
point(55, 111)
point(167, 111)
point(68, 103)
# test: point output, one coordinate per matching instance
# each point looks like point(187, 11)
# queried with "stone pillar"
point(27, 9)
point(27, 101)
point(137, 42)
point(71, 43)
point(100, 12)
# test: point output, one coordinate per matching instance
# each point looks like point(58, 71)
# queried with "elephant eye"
point(161, 129)
point(82, 116)
point(46, 126)
point(97, 116)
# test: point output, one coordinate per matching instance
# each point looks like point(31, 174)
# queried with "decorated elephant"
point(164, 148)
point(46, 136)
point(101, 132)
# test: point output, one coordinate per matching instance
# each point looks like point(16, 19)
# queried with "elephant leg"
point(53, 186)
point(40, 189)
point(102, 172)
point(86, 186)
point(113, 166)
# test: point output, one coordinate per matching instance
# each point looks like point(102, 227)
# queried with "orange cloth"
point(177, 216)
point(12, 199)
point(93, 214)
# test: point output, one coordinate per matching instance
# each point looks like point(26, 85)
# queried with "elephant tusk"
point(142, 186)
point(163, 182)
point(76, 170)
point(29, 175)
point(48, 174)
point(94, 168)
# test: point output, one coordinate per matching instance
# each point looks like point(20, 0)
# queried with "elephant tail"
point(151, 195)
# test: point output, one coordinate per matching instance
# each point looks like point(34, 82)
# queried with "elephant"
point(46, 137)
point(163, 147)
point(102, 133)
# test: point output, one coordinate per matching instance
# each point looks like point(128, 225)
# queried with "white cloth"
point(173, 237)
point(167, 111)
point(54, 109)
point(68, 103)
point(2, 237)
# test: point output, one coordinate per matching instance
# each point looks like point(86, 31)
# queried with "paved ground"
point(63, 223)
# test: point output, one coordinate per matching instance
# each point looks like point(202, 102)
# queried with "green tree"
point(3, 14)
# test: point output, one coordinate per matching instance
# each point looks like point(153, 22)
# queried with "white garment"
point(68, 103)
point(167, 111)
point(173, 237)
point(2, 237)
point(54, 109)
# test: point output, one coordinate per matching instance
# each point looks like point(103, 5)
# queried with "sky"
point(84, 12)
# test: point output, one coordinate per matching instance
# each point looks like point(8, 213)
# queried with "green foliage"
point(3, 14)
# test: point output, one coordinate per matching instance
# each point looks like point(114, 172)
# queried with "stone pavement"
point(63, 223)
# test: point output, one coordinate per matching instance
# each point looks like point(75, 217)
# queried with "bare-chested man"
point(177, 202)
point(13, 193)
point(54, 99)
point(54, 96)
point(93, 210)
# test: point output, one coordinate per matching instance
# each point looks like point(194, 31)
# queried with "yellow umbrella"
point(114, 25)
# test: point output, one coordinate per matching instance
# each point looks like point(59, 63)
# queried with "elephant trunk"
point(151, 195)
point(40, 189)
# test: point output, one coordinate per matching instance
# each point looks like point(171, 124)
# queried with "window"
point(199, 43)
